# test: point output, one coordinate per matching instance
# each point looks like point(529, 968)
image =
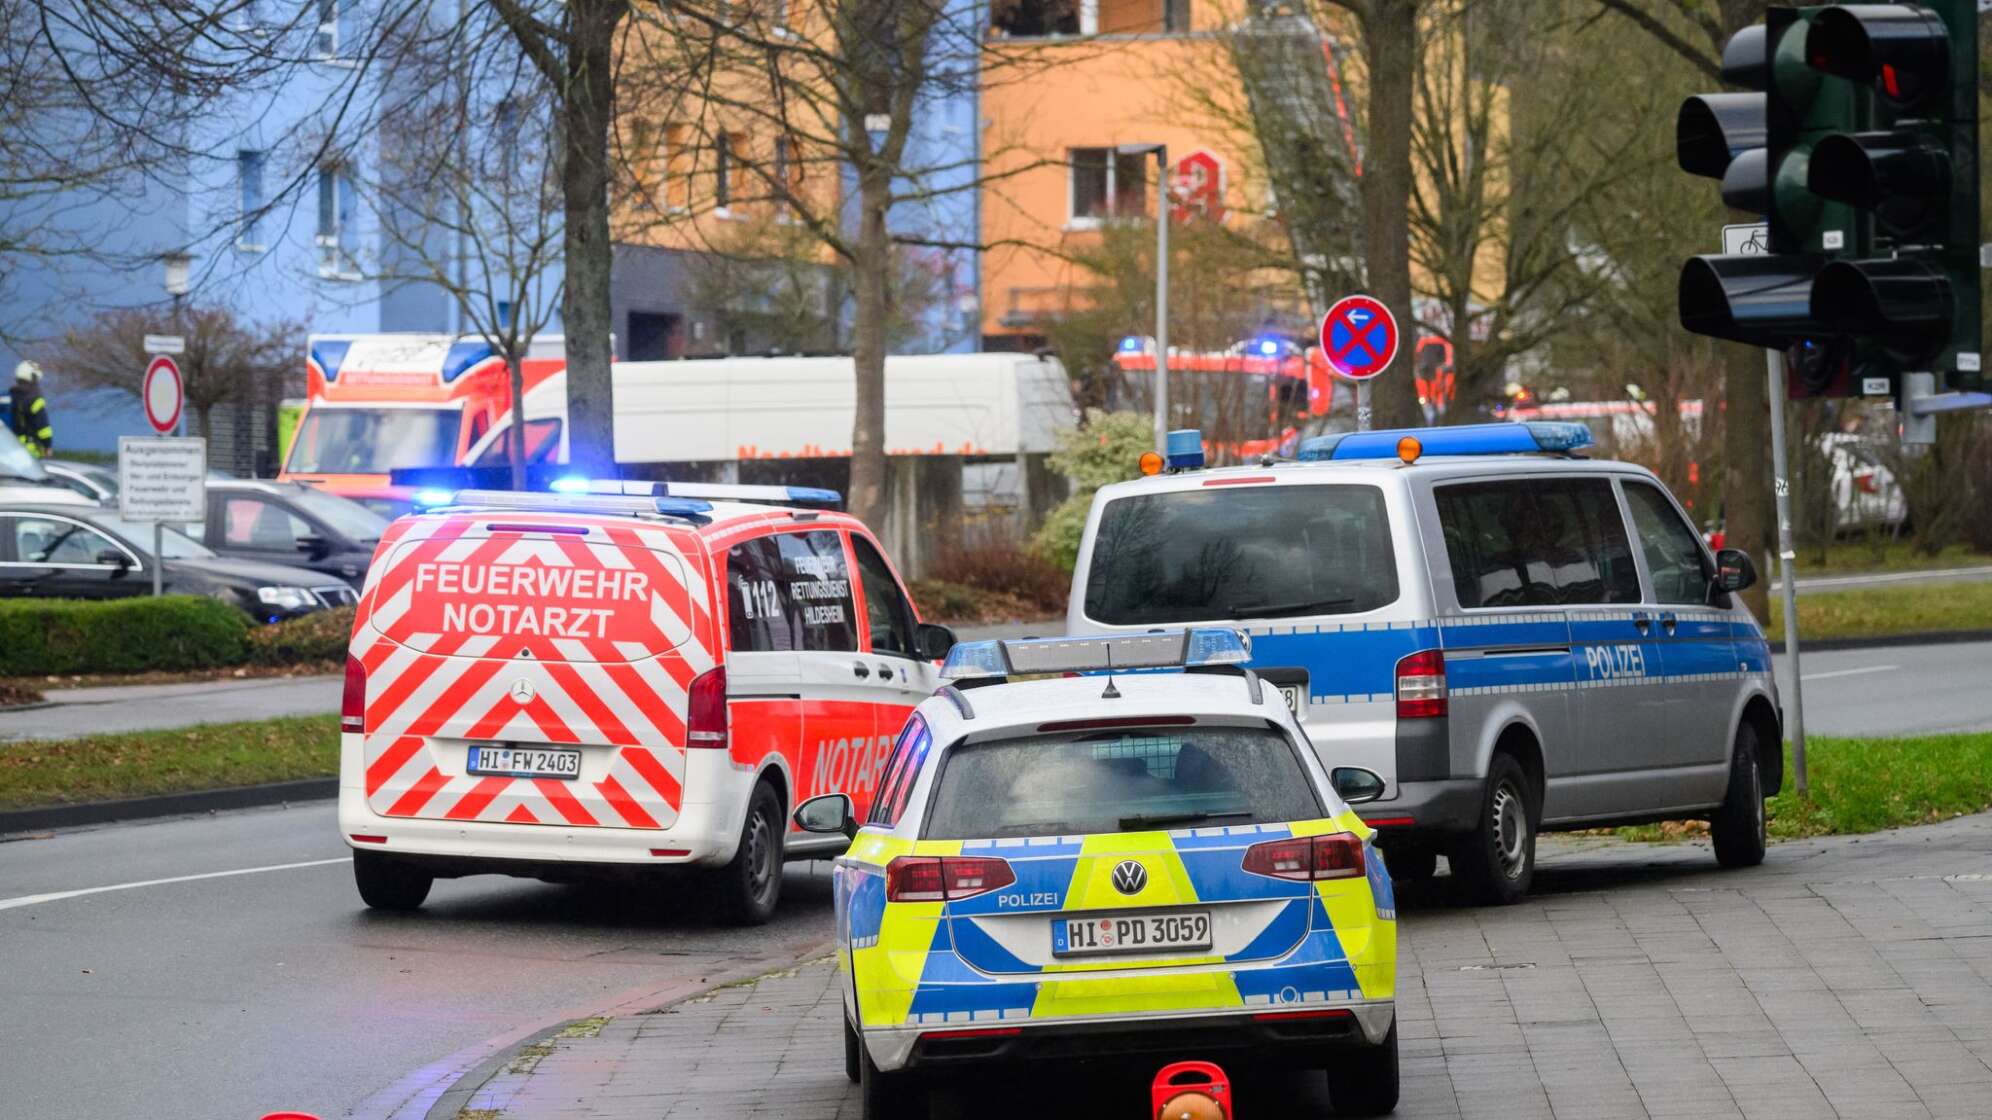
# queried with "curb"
point(1882, 641)
point(167, 805)
point(441, 1089)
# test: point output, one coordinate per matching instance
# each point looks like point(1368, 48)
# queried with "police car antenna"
point(1111, 693)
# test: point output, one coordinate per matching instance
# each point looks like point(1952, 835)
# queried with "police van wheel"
point(750, 886)
point(1496, 861)
point(1364, 1082)
point(888, 1096)
point(386, 884)
point(1738, 827)
point(851, 1048)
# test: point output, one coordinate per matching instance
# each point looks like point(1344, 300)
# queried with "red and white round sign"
point(163, 394)
point(1359, 337)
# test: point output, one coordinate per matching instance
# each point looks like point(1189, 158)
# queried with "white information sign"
point(162, 478)
point(165, 344)
point(1749, 239)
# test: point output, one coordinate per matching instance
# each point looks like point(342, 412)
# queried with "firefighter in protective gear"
point(29, 418)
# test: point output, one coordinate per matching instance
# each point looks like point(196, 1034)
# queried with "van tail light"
point(353, 701)
point(1421, 685)
point(945, 878)
point(705, 710)
point(1308, 858)
point(1865, 484)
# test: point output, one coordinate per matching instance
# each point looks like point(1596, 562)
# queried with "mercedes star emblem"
point(522, 690)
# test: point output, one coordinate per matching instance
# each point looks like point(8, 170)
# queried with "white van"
point(1515, 637)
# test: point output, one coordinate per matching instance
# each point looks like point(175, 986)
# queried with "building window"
point(1175, 16)
point(676, 160)
point(1031, 18)
point(249, 178)
point(1107, 184)
point(338, 222)
point(786, 175)
point(325, 41)
point(506, 121)
point(722, 186)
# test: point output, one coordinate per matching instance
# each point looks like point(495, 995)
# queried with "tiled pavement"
point(1848, 978)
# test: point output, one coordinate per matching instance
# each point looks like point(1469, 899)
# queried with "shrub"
point(44, 637)
point(318, 636)
point(1107, 449)
point(1002, 567)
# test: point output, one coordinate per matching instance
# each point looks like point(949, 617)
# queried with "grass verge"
point(1857, 554)
point(1877, 611)
point(141, 764)
point(1866, 785)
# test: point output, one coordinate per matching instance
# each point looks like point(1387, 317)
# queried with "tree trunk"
point(515, 436)
point(584, 185)
point(1391, 51)
point(871, 267)
point(1746, 466)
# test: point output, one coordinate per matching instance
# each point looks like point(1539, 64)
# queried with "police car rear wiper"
point(1304, 606)
point(1158, 820)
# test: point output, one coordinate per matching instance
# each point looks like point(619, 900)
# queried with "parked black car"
point(290, 523)
point(74, 552)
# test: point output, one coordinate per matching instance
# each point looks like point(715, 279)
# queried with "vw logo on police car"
point(1130, 876)
point(522, 691)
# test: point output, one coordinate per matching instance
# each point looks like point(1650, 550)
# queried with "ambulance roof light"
point(1156, 649)
point(685, 509)
point(427, 498)
point(1533, 438)
point(570, 484)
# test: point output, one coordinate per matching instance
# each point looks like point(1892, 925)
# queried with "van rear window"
point(1241, 552)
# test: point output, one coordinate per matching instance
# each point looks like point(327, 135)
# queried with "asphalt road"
point(74, 712)
point(1894, 690)
point(241, 994)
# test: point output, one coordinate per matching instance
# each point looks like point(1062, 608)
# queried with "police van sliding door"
point(1700, 653)
point(1546, 585)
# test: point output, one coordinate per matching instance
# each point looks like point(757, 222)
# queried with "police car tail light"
point(353, 701)
point(1307, 858)
point(945, 878)
point(1421, 685)
point(705, 710)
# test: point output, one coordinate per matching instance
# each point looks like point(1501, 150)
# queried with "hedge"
point(42, 637)
point(318, 636)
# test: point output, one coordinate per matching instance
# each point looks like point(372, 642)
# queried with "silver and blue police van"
point(1515, 636)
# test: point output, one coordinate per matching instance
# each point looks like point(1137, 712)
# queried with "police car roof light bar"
point(1159, 649)
point(1536, 437)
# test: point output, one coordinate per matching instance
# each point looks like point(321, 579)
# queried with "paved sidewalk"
point(1848, 977)
point(110, 709)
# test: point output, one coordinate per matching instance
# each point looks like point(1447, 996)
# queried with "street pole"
point(1787, 569)
point(1162, 300)
point(158, 551)
point(1363, 405)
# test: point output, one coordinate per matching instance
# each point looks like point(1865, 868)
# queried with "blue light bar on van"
point(687, 509)
point(1161, 649)
point(427, 498)
point(1533, 438)
point(1184, 448)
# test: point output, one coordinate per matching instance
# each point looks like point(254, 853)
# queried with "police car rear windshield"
point(1120, 781)
point(1241, 552)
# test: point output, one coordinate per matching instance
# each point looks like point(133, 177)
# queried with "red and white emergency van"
point(575, 685)
point(382, 401)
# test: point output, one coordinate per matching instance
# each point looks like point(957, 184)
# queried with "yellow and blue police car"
point(1105, 849)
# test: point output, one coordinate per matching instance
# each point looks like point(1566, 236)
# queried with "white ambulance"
point(575, 685)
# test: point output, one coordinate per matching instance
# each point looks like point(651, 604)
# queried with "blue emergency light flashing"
point(429, 499)
point(1267, 347)
point(1183, 449)
point(1533, 438)
point(1157, 649)
point(1131, 344)
point(571, 484)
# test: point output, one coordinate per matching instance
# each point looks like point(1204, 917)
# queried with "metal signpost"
point(1787, 569)
point(161, 478)
point(1359, 337)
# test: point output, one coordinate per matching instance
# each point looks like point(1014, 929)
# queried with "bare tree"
point(468, 196)
point(227, 361)
point(835, 91)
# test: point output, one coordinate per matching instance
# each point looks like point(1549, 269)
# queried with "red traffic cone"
point(1191, 1091)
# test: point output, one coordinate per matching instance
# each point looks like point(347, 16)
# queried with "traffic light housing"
point(1860, 149)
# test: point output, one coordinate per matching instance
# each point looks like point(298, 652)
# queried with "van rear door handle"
point(885, 672)
point(858, 670)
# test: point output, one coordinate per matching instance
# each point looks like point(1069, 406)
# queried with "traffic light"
point(1859, 148)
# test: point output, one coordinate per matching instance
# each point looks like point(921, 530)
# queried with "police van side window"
point(791, 591)
point(1536, 542)
point(1673, 551)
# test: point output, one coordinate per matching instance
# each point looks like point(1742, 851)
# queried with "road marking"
point(1848, 672)
point(58, 896)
